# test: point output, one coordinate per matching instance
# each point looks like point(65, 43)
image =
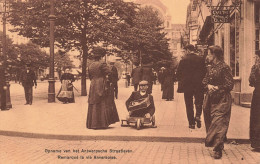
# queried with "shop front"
point(239, 36)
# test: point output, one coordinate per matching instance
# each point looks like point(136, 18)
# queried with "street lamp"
point(51, 90)
point(5, 95)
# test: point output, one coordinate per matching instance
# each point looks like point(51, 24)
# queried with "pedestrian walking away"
point(28, 80)
point(99, 107)
point(66, 94)
point(217, 103)
point(190, 72)
point(254, 81)
point(136, 75)
point(128, 77)
point(168, 84)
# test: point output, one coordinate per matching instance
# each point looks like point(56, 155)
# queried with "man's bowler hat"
point(189, 47)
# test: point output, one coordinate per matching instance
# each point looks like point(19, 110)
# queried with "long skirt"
point(217, 118)
point(104, 113)
point(97, 116)
point(255, 120)
point(66, 93)
point(167, 89)
point(111, 109)
point(168, 92)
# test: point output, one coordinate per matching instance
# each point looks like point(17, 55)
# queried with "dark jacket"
point(147, 74)
point(97, 74)
point(140, 113)
point(136, 75)
point(190, 72)
point(28, 79)
point(114, 75)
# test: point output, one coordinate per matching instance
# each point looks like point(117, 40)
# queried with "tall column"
point(51, 91)
point(227, 43)
point(247, 52)
point(6, 90)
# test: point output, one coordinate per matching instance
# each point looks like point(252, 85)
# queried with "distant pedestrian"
point(217, 104)
point(168, 84)
point(114, 78)
point(101, 106)
point(154, 77)
point(28, 80)
point(161, 76)
point(128, 77)
point(66, 94)
point(254, 81)
point(190, 72)
point(136, 76)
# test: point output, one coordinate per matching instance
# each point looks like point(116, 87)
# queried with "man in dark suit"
point(136, 76)
point(28, 80)
point(147, 75)
point(114, 78)
point(190, 73)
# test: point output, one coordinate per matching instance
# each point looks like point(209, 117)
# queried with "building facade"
point(174, 31)
point(238, 36)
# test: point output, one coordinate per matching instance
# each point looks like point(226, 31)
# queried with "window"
point(234, 44)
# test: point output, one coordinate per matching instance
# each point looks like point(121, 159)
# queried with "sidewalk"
point(68, 121)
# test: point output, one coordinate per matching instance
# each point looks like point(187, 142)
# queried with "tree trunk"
point(84, 71)
point(85, 53)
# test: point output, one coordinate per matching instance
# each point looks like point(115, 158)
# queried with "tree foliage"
point(80, 24)
point(32, 53)
point(145, 37)
point(84, 24)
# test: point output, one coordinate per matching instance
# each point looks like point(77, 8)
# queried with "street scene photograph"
point(130, 81)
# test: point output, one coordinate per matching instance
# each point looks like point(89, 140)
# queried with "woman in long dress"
point(101, 107)
point(254, 81)
point(217, 103)
point(168, 85)
point(112, 94)
point(161, 76)
point(66, 94)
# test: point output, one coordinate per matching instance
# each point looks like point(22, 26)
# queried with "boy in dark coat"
point(141, 94)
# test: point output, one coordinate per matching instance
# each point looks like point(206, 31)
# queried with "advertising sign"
point(220, 16)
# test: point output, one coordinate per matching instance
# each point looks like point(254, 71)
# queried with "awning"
point(205, 31)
